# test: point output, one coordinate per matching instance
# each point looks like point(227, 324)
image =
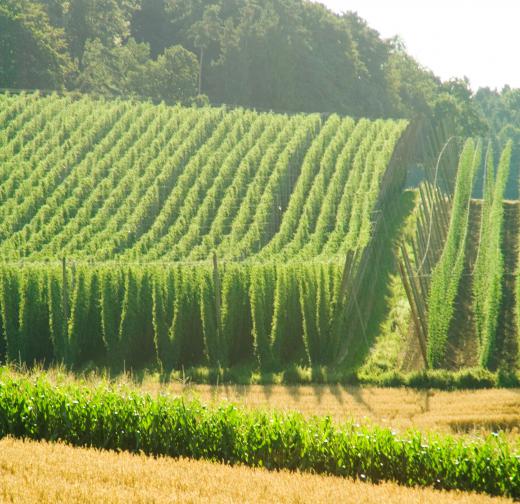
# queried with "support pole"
point(65, 294)
point(415, 315)
point(218, 300)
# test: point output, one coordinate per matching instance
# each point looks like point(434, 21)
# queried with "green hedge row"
point(104, 418)
point(438, 379)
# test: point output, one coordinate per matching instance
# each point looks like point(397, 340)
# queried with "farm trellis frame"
point(433, 220)
point(145, 192)
point(295, 208)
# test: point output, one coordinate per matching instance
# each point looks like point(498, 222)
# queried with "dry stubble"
point(477, 412)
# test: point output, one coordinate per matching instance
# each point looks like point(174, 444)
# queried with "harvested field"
point(478, 412)
point(471, 412)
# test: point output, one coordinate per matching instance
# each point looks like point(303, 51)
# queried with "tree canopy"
point(33, 53)
point(284, 55)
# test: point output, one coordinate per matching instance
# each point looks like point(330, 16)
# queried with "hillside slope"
point(295, 210)
point(101, 180)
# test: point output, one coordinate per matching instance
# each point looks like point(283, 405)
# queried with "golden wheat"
point(48, 473)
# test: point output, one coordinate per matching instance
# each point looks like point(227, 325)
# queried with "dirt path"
point(506, 339)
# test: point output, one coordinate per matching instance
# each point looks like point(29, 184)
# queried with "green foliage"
point(434, 379)
point(317, 306)
point(261, 295)
point(117, 179)
point(236, 314)
point(93, 179)
point(58, 319)
point(135, 315)
point(103, 418)
point(447, 273)
point(187, 332)
point(85, 326)
point(136, 332)
point(106, 20)
point(287, 334)
point(215, 346)
point(113, 71)
point(172, 77)
point(35, 345)
point(319, 152)
point(284, 55)
point(489, 266)
point(33, 54)
point(111, 304)
point(10, 302)
point(163, 291)
point(128, 70)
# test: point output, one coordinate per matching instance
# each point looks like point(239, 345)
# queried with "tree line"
point(284, 55)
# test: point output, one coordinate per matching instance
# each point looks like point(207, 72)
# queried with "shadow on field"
point(338, 391)
point(294, 392)
point(357, 395)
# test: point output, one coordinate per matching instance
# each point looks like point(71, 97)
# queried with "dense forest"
point(282, 55)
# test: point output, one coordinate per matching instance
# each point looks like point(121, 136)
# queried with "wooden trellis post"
point(418, 323)
point(65, 294)
point(218, 300)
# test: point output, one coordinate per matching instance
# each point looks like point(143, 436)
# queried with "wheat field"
point(49, 473)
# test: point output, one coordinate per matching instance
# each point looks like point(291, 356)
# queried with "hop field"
point(276, 201)
point(136, 235)
point(102, 180)
point(213, 245)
